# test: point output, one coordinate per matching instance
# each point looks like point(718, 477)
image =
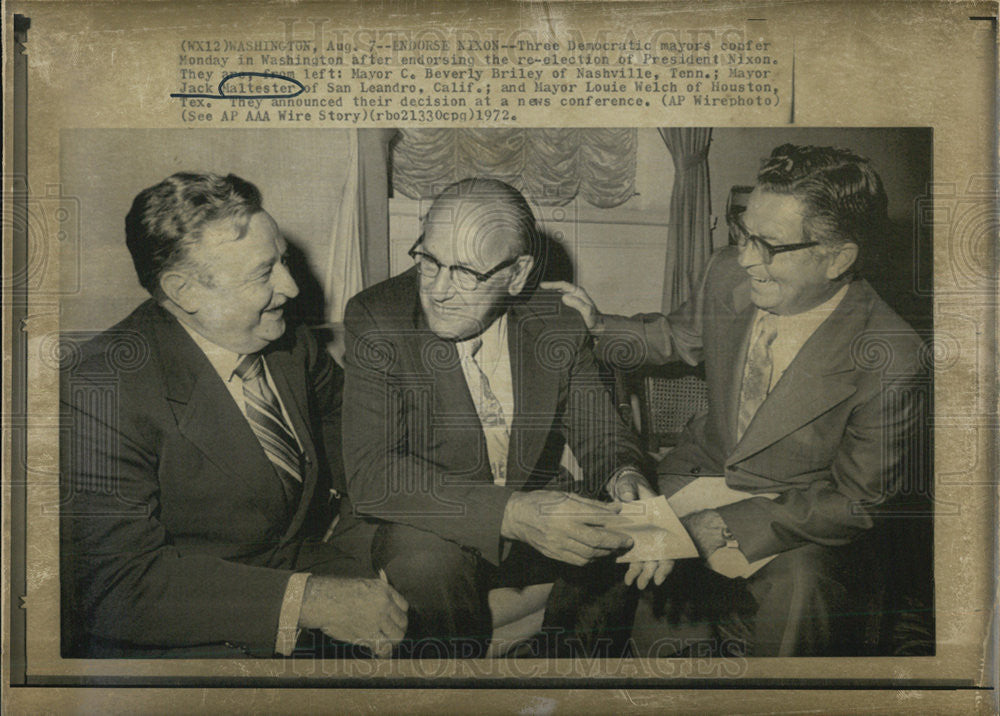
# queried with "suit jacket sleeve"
point(326, 381)
point(627, 343)
point(384, 478)
point(595, 432)
point(876, 455)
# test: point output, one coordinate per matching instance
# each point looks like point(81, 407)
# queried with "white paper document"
point(708, 493)
point(655, 530)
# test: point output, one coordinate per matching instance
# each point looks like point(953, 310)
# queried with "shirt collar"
point(814, 316)
point(223, 360)
point(492, 339)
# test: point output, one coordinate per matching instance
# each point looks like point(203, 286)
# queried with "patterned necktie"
point(265, 418)
point(490, 413)
point(757, 373)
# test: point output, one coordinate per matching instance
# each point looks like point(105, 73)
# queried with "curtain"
point(373, 160)
point(550, 166)
point(689, 235)
point(359, 246)
point(343, 278)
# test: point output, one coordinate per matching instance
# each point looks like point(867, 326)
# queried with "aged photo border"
point(20, 311)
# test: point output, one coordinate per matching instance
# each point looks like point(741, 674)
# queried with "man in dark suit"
point(815, 397)
point(201, 460)
point(460, 398)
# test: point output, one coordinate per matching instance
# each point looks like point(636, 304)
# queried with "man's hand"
point(563, 526)
point(361, 611)
point(706, 529)
point(627, 487)
point(575, 297)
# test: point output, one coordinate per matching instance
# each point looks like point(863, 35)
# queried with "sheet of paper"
point(735, 564)
point(656, 531)
point(706, 493)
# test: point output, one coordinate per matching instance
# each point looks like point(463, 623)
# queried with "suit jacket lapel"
point(208, 417)
point(820, 376)
point(440, 358)
point(291, 387)
point(734, 346)
point(535, 393)
point(451, 410)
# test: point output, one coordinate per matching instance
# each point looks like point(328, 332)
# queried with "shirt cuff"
point(730, 561)
point(288, 618)
point(609, 486)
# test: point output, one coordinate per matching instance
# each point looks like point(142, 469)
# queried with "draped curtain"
point(689, 235)
point(550, 166)
point(359, 246)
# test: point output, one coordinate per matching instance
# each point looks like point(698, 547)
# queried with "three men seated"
point(234, 491)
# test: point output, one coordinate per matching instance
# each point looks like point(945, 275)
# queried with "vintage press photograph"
point(559, 394)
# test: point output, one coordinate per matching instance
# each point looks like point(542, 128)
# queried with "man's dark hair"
point(166, 219)
point(843, 196)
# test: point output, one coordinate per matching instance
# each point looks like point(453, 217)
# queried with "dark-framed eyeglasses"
point(766, 250)
point(462, 276)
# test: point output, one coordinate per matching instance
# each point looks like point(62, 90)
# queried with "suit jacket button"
point(695, 470)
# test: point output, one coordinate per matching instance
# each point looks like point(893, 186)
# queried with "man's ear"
point(181, 289)
point(842, 259)
point(522, 270)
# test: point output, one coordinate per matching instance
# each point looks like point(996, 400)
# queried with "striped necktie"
point(757, 373)
point(264, 415)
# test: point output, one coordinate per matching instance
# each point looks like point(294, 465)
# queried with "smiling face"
point(467, 233)
point(237, 284)
point(794, 281)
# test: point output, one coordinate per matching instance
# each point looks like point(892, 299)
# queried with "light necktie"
point(490, 413)
point(757, 373)
point(264, 415)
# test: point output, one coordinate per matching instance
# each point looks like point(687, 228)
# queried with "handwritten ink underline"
point(223, 95)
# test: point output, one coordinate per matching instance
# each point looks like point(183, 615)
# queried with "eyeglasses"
point(766, 250)
point(465, 278)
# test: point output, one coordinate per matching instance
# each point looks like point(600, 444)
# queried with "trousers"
point(589, 611)
point(808, 601)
